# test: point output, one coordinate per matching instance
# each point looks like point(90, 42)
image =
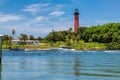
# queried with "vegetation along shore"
point(98, 37)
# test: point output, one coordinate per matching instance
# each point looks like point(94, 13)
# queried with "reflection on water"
point(76, 67)
point(60, 65)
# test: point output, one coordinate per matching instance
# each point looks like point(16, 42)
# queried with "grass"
point(89, 46)
point(81, 45)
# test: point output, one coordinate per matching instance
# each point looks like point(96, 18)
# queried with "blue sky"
point(39, 17)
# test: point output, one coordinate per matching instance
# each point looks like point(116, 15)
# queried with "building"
point(28, 42)
point(76, 20)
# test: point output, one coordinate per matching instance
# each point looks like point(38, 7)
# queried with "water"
point(60, 65)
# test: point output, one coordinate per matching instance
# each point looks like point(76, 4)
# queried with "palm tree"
point(13, 33)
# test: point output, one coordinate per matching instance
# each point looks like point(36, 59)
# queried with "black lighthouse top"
point(76, 12)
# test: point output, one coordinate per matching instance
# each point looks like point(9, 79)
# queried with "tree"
point(13, 33)
point(23, 38)
point(55, 36)
point(69, 37)
point(7, 39)
point(116, 37)
point(31, 37)
point(39, 38)
point(94, 37)
point(108, 37)
point(107, 34)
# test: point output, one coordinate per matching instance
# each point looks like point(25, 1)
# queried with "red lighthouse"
point(76, 20)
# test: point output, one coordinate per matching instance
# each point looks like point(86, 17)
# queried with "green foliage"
point(85, 38)
point(102, 34)
point(5, 46)
point(23, 38)
point(113, 46)
point(31, 37)
point(7, 39)
point(89, 46)
point(56, 36)
point(106, 34)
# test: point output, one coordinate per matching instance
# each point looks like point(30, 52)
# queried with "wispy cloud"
point(57, 13)
point(35, 8)
point(40, 18)
point(44, 8)
point(38, 28)
point(9, 17)
point(44, 18)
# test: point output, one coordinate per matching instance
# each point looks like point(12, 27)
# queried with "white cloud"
point(44, 8)
point(38, 25)
point(57, 13)
point(40, 18)
point(10, 17)
point(38, 28)
point(34, 8)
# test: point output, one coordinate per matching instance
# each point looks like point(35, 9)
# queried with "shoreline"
point(27, 49)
